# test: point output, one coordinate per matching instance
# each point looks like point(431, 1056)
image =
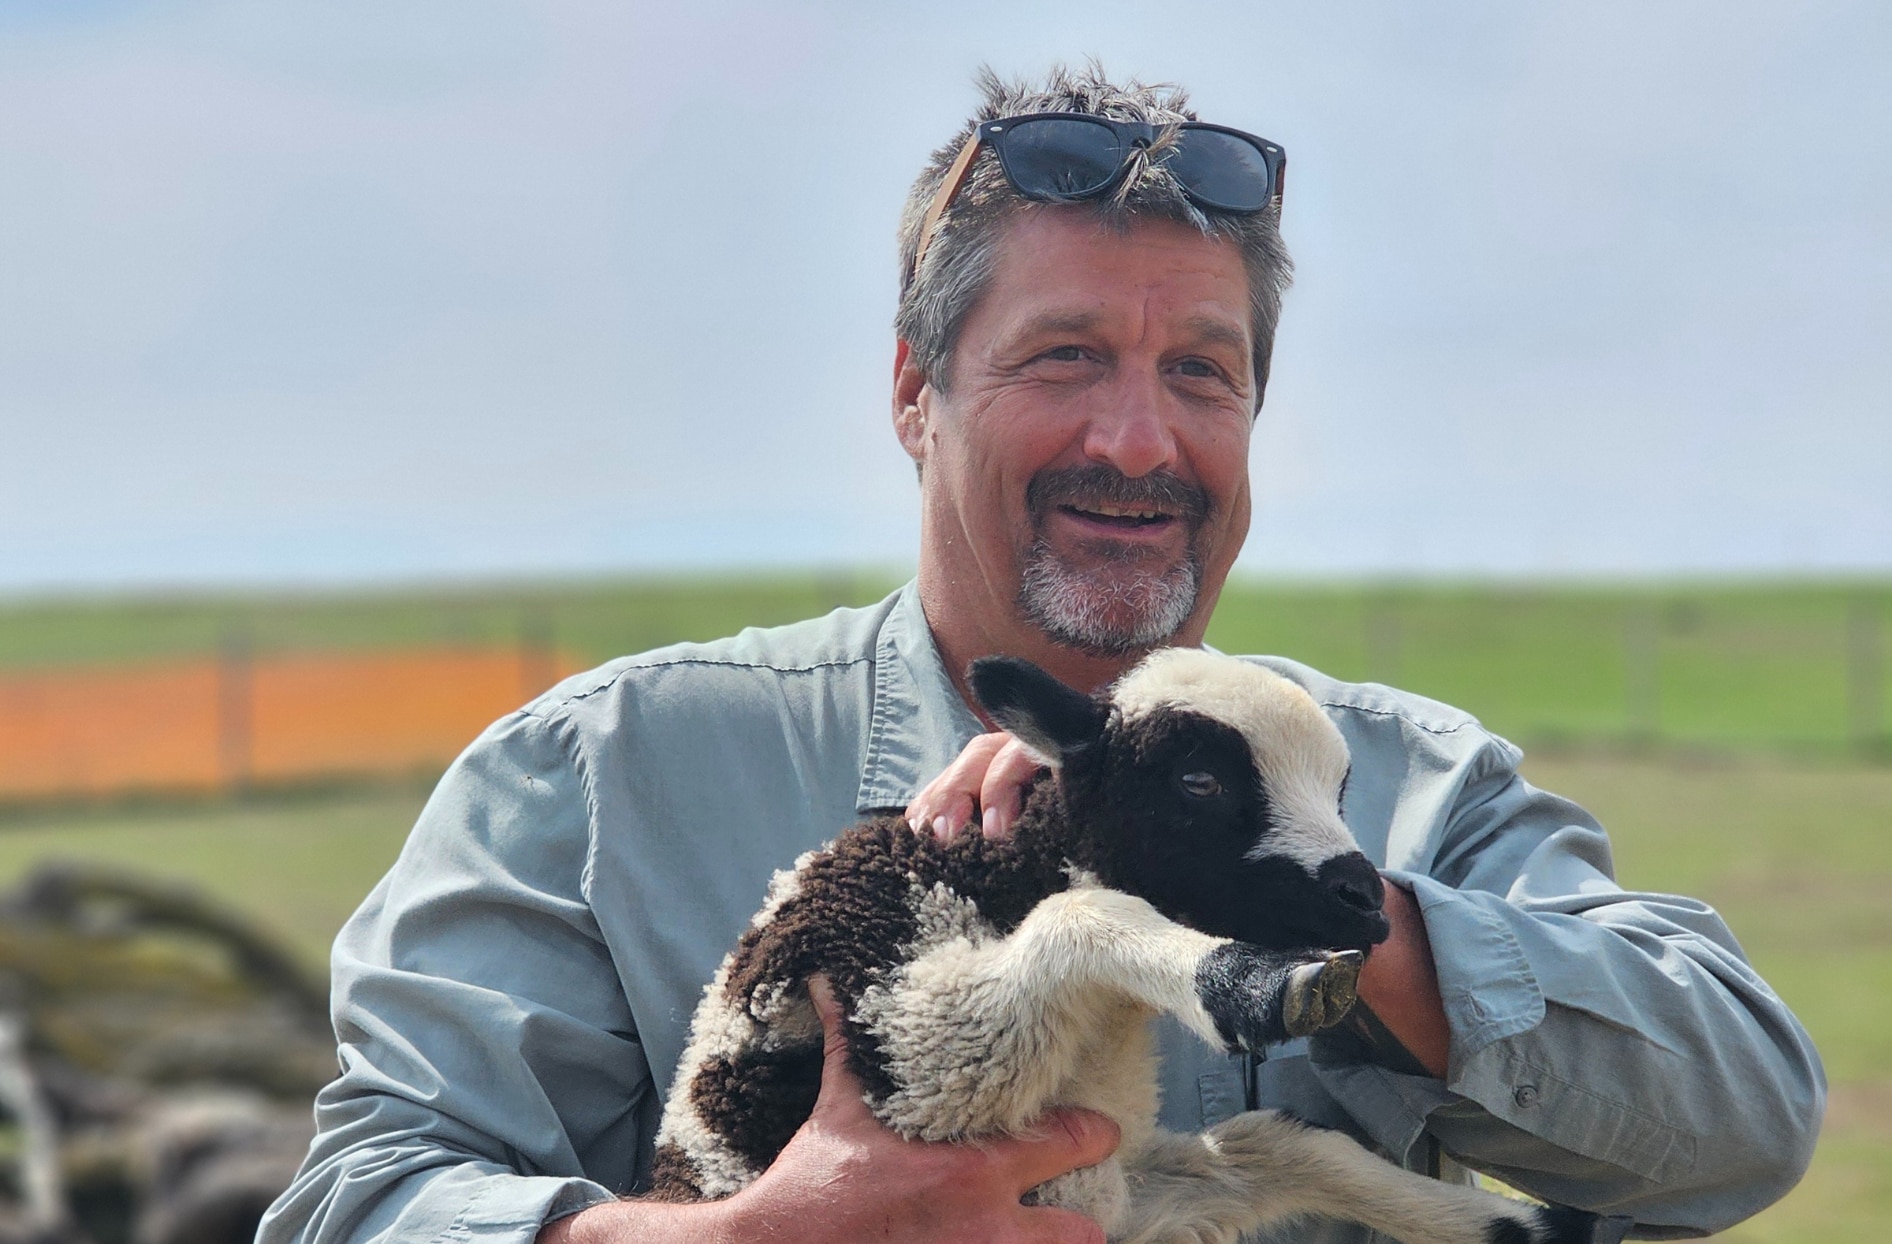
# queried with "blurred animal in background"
point(1187, 857)
point(158, 1058)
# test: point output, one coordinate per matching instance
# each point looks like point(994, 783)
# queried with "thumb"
point(838, 1082)
point(828, 1011)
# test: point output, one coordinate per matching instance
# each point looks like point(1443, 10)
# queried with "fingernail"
point(942, 828)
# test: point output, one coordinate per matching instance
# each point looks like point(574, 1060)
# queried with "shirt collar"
point(919, 723)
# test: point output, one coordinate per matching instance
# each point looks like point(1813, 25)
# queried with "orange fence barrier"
point(225, 722)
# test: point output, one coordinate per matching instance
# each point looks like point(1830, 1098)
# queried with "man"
point(1084, 334)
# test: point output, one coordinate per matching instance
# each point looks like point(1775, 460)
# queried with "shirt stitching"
point(878, 725)
point(1405, 717)
point(545, 711)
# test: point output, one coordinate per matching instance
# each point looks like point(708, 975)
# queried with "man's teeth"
point(1117, 511)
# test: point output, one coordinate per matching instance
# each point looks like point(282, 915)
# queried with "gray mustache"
point(1081, 485)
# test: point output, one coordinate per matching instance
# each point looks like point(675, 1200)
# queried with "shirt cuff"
point(1485, 979)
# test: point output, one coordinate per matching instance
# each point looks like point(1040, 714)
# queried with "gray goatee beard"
point(1129, 600)
point(1125, 609)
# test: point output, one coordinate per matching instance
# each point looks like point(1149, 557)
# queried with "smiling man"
point(1084, 454)
point(1090, 284)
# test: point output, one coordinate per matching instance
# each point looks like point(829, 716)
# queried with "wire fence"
point(1796, 668)
point(209, 696)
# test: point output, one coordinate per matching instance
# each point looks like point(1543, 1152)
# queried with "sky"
point(356, 292)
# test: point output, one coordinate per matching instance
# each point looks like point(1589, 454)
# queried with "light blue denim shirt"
point(512, 999)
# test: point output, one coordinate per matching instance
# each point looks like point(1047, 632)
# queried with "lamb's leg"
point(1015, 1020)
point(1263, 1167)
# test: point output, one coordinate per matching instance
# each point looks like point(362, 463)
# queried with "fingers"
point(946, 805)
point(1063, 1141)
point(1002, 791)
point(987, 779)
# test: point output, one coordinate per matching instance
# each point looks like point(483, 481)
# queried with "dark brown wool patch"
point(756, 1100)
point(673, 1176)
point(850, 920)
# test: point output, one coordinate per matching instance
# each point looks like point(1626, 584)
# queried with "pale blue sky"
point(338, 291)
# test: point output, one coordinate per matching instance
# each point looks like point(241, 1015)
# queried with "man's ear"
point(1045, 715)
point(909, 412)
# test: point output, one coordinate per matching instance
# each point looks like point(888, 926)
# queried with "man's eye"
point(1201, 784)
point(1198, 369)
point(1064, 354)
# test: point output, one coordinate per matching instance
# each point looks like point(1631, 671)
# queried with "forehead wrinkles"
point(1298, 751)
point(1192, 327)
point(1064, 273)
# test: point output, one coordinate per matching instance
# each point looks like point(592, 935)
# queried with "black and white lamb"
point(1189, 858)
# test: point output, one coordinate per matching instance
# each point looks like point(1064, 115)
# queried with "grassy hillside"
point(594, 621)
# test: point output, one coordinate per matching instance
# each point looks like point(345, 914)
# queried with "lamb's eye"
point(1201, 784)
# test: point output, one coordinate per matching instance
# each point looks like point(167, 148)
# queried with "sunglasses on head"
point(1065, 157)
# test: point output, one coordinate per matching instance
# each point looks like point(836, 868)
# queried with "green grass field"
point(1713, 729)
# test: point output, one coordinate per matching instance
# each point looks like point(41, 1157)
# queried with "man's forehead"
point(1074, 273)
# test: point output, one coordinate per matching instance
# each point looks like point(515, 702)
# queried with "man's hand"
point(988, 780)
point(870, 1184)
point(845, 1177)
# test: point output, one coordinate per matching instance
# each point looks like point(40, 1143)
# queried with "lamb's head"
point(1208, 785)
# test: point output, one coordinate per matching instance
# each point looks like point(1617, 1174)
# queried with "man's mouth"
point(1125, 517)
point(1100, 500)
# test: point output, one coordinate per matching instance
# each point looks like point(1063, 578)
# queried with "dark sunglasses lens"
point(1221, 170)
point(1059, 158)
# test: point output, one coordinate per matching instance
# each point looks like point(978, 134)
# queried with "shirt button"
point(1526, 1095)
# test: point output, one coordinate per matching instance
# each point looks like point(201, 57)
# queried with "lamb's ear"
point(1047, 716)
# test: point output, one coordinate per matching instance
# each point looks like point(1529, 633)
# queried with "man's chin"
point(1112, 637)
point(1114, 609)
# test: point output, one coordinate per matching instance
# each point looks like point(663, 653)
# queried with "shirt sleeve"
point(1609, 1049)
point(491, 1077)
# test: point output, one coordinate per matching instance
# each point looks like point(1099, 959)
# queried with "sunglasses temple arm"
point(948, 190)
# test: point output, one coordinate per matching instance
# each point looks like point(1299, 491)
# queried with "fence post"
point(538, 660)
point(835, 587)
point(236, 708)
point(1383, 639)
point(1642, 669)
point(1865, 674)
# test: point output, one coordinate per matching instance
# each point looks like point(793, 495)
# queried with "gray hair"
point(935, 301)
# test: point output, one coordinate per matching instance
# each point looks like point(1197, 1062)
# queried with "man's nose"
point(1129, 430)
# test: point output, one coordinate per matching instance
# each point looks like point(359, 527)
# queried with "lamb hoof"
point(1319, 995)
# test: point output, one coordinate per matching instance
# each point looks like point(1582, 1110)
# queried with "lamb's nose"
point(1353, 881)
